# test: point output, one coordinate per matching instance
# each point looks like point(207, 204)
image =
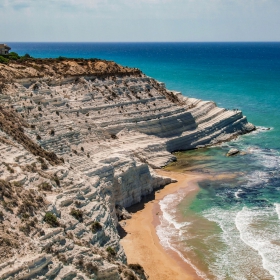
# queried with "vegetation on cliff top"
point(5, 59)
point(13, 66)
point(13, 56)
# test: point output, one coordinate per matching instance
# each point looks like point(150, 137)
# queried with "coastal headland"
point(80, 141)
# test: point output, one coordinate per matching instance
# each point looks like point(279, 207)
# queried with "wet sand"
point(140, 241)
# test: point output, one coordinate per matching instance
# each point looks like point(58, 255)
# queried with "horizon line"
point(139, 42)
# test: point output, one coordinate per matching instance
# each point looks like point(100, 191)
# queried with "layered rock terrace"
point(90, 133)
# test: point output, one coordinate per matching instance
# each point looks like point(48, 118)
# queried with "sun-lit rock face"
point(87, 147)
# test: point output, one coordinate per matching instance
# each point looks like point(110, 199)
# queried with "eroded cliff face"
point(85, 148)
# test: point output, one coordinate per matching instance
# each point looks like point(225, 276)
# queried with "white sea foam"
point(268, 158)
point(270, 162)
point(262, 129)
point(169, 227)
point(239, 140)
point(251, 236)
point(277, 208)
point(235, 260)
point(170, 230)
point(259, 229)
point(236, 194)
point(256, 178)
point(259, 129)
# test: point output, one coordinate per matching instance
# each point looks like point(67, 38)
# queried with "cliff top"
point(27, 67)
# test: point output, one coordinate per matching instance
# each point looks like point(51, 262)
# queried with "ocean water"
point(230, 228)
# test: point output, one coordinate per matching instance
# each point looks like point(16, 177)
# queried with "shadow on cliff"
point(121, 231)
point(138, 207)
point(141, 205)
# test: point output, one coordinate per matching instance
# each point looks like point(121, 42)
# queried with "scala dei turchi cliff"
point(79, 140)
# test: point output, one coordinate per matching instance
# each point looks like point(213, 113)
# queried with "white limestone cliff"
point(111, 133)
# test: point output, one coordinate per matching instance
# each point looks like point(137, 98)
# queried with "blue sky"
point(141, 20)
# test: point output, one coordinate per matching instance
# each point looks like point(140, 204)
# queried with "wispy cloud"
point(81, 3)
point(16, 4)
point(84, 3)
point(113, 4)
point(106, 20)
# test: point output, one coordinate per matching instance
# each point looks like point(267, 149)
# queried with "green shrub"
point(61, 58)
point(51, 219)
point(91, 268)
point(7, 241)
point(45, 186)
point(44, 166)
point(95, 227)
point(10, 169)
point(55, 178)
point(4, 60)
point(40, 159)
point(78, 203)
point(13, 56)
point(17, 184)
point(31, 167)
point(25, 216)
point(62, 258)
point(77, 214)
point(111, 251)
point(25, 229)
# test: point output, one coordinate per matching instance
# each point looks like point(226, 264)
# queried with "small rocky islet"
point(79, 140)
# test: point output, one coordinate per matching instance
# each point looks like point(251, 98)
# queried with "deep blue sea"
point(231, 228)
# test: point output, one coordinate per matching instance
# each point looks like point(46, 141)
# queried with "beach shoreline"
point(141, 243)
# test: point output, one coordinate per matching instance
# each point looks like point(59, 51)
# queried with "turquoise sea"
point(231, 228)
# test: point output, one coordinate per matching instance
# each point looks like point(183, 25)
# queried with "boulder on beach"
point(233, 152)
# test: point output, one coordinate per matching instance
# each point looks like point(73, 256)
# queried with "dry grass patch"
point(13, 124)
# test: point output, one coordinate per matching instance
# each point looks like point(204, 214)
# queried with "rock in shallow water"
point(233, 152)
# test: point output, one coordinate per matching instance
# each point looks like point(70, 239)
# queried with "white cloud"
point(142, 20)
point(81, 3)
point(142, 4)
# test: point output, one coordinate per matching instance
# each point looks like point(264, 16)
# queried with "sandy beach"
point(141, 243)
